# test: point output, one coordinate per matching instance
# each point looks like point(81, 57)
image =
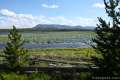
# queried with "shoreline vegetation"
point(56, 57)
point(52, 36)
point(67, 56)
point(60, 55)
point(64, 57)
point(44, 30)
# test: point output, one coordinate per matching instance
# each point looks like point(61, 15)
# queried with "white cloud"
point(99, 5)
point(9, 18)
point(49, 6)
point(6, 12)
point(72, 21)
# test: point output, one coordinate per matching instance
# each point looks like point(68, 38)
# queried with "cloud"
point(73, 21)
point(49, 6)
point(6, 12)
point(99, 5)
point(9, 18)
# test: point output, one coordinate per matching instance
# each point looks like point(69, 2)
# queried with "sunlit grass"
point(65, 53)
point(69, 54)
point(53, 37)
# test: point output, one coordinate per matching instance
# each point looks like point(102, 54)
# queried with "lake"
point(53, 39)
point(52, 45)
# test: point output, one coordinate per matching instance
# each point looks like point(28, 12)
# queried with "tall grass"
point(53, 37)
point(65, 53)
point(43, 76)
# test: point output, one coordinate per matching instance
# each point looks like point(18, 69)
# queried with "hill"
point(62, 27)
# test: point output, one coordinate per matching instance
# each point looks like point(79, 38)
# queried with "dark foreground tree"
point(14, 54)
point(108, 41)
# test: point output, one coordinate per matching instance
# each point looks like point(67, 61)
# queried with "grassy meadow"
point(67, 56)
point(82, 55)
point(52, 36)
point(73, 54)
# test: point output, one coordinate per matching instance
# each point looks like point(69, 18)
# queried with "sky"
point(28, 13)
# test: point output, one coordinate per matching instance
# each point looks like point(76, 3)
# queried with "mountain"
point(61, 27)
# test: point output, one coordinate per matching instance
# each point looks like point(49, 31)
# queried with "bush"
point(43, 76)
point(38, 76)
point(13, 76)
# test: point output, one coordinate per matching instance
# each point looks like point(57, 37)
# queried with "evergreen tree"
point(108, 41)
point(15, 55)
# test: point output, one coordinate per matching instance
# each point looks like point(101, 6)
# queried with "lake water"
point(62, 39)
point(52, 45)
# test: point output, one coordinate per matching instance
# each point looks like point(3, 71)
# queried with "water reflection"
point(52, 45)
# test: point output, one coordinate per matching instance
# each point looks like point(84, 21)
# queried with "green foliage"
point(14, 54)
point(39, 76)
point(43, 76)
point(34, 76)
point(82, 76)
point(13, 76)
point(108, 41)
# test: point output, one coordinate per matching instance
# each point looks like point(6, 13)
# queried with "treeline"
point(42, 30)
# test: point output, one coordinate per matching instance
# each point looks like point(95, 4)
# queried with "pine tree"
point(108, 41)
point(14, 54)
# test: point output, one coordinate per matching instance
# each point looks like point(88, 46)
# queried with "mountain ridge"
point(62, 27)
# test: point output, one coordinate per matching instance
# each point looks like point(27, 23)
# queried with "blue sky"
point(28, 13)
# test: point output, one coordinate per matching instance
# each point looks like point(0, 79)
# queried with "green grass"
point(53, 36)
point(73, 55)
point(69, 54)
point(64, 53)
point(43, 76)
